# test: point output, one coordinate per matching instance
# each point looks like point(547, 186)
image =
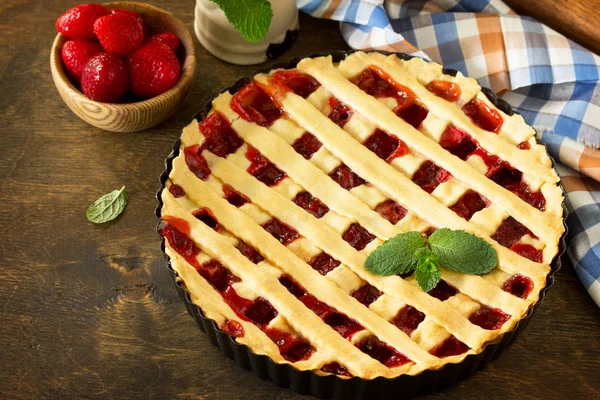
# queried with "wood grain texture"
point(137, 115)
point(91, 311)
point(577, 19)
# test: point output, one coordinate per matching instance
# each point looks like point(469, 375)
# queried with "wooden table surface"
point(91, 311)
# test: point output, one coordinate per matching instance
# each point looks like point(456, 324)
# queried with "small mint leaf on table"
point(428, 272)
point(107, 207)
point(395, 255)
point(251, 18)
point(460, 251)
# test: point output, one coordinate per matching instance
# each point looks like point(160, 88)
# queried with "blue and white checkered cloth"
point(550, 80)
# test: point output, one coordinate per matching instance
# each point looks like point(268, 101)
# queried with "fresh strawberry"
point(76, 53)
point(153, 69)
point(119, 33)
point(132, 13)
point(78, 22)
point(105, 78)
point(168, 38)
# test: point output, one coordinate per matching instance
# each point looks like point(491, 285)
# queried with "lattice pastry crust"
point(278, 196)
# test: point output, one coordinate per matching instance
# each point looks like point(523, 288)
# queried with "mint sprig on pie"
point(457, 251)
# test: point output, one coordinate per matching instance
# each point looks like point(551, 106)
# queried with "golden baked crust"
point(386, 181)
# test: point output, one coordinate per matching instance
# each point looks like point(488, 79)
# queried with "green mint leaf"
point(107, 207)
point(428, 272)
point(395, 255)
point(460, 251)
point(251, 18)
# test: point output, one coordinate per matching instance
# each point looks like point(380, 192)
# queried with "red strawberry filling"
point(219, 137)
point(233, 328)
point(449, 347)
point(249, 252)
point(382, 352)
point(528, 251)
point(306, 145)
point(413, 114)
point(469, 204)
point(176, 231)
point(391, 211)
point(218, 276)
point(378, 84)
point(357, 236)
point(504, 175)
point(366, 294)
point(234, 197)
point(408, 319)
point(429, 176)
point(457, 142)
point(343, 325)
point(292, 349)
point(340, 113)
point(263, 169)
point(254, 104)
point(446, 90)
point(196, 162)
point(301, 84)
point(443, 291)
point(206, 216)
point(370, 82)
point(346, 178)
point(385, 146)
point(311, 204)
point(518, 285)
point(335, 368)
point(323, 263)
point(510, 231)
point(483, 116)
point(280, 231)
point(176, 190)
point(489, 318)
point(261, 311)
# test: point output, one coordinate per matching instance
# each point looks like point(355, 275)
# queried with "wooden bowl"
point(139, 115)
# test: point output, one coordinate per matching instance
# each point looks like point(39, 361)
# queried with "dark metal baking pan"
point(331, 386)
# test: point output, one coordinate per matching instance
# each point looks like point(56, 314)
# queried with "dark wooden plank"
point(90, 311)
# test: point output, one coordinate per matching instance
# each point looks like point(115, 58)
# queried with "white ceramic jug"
point(221, 39)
